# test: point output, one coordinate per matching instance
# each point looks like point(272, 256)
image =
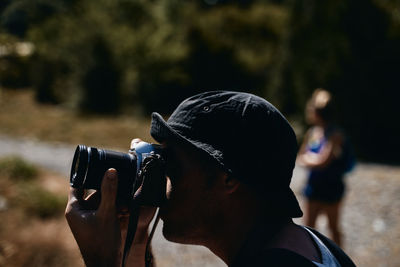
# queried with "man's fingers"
point(109, 187)
point(92, 201)
point(135, 142)
point(75, 196)
point(76, 193)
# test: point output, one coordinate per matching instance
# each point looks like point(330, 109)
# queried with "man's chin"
point(174, 234)
point(168, 231)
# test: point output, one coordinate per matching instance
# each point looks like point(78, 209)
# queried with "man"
point(229, 162)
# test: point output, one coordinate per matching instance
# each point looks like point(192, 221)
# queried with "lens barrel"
point(89, 165)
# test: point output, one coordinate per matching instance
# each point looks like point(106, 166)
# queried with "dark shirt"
point(253, 253)
point(273, 257)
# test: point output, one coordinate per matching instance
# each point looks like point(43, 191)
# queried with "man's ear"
point(231, 184)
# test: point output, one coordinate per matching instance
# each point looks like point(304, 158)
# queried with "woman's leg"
point(313, 208)
point(332, 211)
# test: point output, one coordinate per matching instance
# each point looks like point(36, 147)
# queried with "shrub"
point(16, 168)
point(14, 61)
point(39, 202)
point(25, 192)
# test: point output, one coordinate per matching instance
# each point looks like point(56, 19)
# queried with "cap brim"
point(294, 209)
point(161, 131)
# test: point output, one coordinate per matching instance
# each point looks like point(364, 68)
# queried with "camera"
point(142, 167)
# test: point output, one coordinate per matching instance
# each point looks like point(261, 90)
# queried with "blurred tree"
point(19, 15)
point(3, 5)
point(74, 51)
point(14, 62)
point(370, 79)
point(101, 81)
point(349, 48)
point(43, 76)
point(233, 48)
point(149, 55)
point(318, 45)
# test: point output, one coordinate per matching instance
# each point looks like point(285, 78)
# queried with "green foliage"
point(16, 168)
point(106, 56)
point(99, 61)
point(235, 49)
point(348, 47)
point(153, 54)
point(14, 68)
point(20, 183)
point(19, 15)
point(39, 202)
point(101, 81)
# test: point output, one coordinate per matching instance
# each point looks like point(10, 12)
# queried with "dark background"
point(131, 56)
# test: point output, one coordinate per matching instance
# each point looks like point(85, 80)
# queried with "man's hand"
point(94, 223)
point(100, 227)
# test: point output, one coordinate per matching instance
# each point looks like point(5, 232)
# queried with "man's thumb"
point(109, 187)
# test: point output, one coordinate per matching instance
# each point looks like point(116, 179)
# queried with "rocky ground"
point(370, 218)
point(371, 214)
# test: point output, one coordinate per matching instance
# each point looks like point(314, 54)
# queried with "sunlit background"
point(91, 72)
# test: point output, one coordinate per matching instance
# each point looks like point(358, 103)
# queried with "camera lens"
point(90, 164)
point(79, 166)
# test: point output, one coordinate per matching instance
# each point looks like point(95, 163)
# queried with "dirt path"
point(53, 156)
point(370, 220)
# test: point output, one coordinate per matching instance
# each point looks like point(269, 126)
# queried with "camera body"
point(89, 165)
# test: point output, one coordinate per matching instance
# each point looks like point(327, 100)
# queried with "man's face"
point(191, 196)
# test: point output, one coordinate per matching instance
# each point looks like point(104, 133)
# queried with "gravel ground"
point(370, 219)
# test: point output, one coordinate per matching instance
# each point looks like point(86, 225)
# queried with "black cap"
point(245, 134)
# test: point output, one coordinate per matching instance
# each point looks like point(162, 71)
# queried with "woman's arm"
point(330, 151)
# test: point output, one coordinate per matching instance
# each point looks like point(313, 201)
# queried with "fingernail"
point(112, 174)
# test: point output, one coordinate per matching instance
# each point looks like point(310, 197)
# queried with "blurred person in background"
point(325, 152)
point(229, 162)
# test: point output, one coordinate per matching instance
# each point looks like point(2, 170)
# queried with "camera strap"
point(148, 254)
point(132, 226)
point(130, 236)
